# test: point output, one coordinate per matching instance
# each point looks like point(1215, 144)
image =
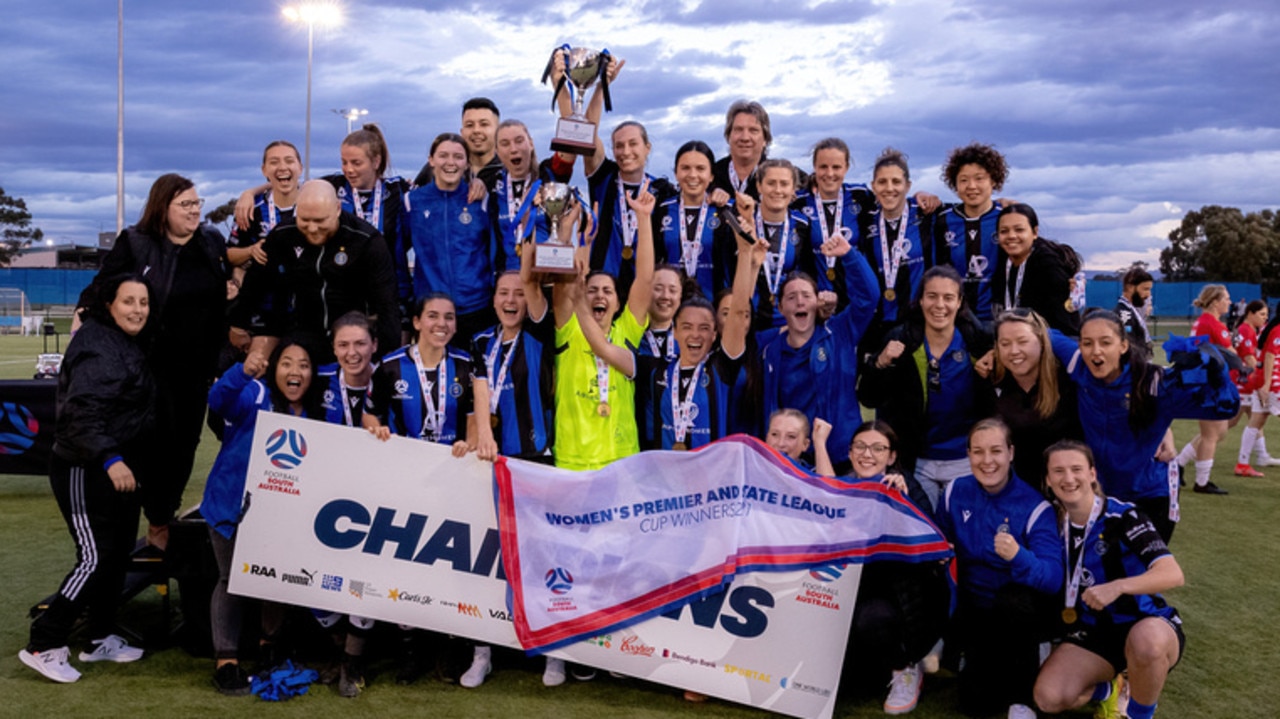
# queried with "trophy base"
point(556, 259)
point(574, 136)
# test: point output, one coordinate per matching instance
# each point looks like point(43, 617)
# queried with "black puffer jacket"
point(106, 397)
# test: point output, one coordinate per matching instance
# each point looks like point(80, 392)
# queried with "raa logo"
point(286, 448)
point(258, 570)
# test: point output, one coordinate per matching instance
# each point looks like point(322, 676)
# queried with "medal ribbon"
point(1073, 580)
point(1011, 302)
point(776, 259)
point(628, 218)
point(681, 410)
point(691, 247)
point(346, 401)
point(891, 261)
point(495, 384)
point(836, 225)
point(375, 215)
point(433, 420)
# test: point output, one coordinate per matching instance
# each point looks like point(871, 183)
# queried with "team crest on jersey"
point(957, 356)
point(705, 380)
point(951, 239)
point(822, 354)
point(328, 399)
point(666, 223)
point(402, 389)
point(808, 210)
point(1100, 547)
point(340, 259)
point(455, 390)
point(500, 186)
point(465, 217)
point(713, 221)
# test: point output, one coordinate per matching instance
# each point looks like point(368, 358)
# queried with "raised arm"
point(621, 358)
point(750, 258)
point(642, 287)
point(594, 109)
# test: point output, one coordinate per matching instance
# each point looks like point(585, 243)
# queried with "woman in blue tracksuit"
point(923, 382)
point(288, 386)
point(813, 367)
point(450, 239)
point(1116, 620)
point(1009, 564)
point(1127, 405)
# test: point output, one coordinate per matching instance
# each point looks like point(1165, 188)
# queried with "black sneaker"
point(231, 680)
point(1208, 488)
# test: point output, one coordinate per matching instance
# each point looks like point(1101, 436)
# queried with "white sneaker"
point(480, 668)
point(1266, 460)
point(553, 675)
point(53, 663)
point(904, 690)
point(933, 660)
point(112, 648)
point(1021, 711)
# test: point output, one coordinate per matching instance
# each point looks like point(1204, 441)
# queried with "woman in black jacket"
point(102, 436)
point(1033, 271)
point(185, 263)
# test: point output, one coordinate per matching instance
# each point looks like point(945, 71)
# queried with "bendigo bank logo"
point(286, 448)
point(559, 580)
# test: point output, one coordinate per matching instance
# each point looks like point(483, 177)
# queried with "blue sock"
point(1101, 692)
point(1138, 710)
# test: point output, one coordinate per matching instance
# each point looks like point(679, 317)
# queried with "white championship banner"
point(403, 532)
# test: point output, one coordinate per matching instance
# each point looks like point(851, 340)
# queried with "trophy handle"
point(606, 59)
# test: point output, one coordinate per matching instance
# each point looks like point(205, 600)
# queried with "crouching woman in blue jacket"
point(1009, 564)
point(288, 386)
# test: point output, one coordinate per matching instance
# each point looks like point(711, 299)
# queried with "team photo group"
point(938, 346)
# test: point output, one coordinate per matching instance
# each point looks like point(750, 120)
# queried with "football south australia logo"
point(286, 448)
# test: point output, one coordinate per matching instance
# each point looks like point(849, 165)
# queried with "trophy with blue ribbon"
point(555, 255)
point(582, 69)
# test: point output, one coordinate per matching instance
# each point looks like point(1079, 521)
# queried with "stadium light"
point(324, 14)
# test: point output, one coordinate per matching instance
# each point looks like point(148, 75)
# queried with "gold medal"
point(602, 409)
point(771, 300)
point(1069, 615)
point(890, 295)
point(627, 253)
point(493, 421)
point(680, 447)
point(831, 273)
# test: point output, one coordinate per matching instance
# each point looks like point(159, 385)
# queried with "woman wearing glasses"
point(902, 607)
point(934, 412)
point(185, 263)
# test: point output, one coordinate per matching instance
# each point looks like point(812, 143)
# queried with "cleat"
point(1244, 470)
point(1209, 488)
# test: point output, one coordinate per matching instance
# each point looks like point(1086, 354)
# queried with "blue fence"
point(45, 286)
point(1172, 299)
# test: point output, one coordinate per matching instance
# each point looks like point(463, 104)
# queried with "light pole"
point(352, 114)
point(312, 13)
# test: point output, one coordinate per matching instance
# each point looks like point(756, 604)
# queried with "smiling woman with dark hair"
point(102, 439)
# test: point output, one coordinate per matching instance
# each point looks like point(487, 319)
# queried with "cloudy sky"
point(1116, 118)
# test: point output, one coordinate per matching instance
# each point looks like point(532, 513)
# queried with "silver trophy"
point(555, 255)
point(583, 68)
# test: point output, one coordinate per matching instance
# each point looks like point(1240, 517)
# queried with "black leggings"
point(1001, 646)
point(180, 409)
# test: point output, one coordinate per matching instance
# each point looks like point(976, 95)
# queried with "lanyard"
point(626, 216)
point(346, 401)
point(495, 384)
point(513, 200)
point(375, 215)
point(433, 420)
point(837, 224)
point(776, 260)
point(900, 248)
point(739, 185)
point(682, 410)
point(273, 216)
point(1011, 302)
point(691, 247)
point(656, 349)
point(1073, 581)
point(1137, 315)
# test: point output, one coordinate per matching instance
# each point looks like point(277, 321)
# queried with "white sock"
point(1247, 441)
point(1203, 468)
point(1260, 446)
point(1187, 454)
